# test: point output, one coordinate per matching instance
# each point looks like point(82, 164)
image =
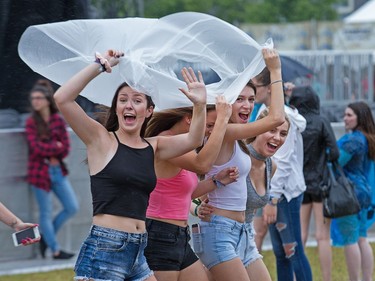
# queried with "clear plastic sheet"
point(154, 50)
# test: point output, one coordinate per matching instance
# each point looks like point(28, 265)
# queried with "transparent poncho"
point(155, 51)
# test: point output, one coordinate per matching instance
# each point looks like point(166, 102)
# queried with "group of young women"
point(146, 167)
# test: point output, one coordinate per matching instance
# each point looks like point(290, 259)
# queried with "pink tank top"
point(171, 197)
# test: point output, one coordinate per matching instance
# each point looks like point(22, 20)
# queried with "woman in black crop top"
point(121, 165)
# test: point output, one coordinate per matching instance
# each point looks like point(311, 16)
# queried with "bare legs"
point(322, 235)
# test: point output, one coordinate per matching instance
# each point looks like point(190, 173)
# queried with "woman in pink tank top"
point(168, 251)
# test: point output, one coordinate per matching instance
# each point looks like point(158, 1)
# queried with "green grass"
point(338, 272)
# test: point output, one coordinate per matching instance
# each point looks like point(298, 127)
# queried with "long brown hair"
point(43, 86)
point(166, 119)
point(365, 124)
point(111, 121)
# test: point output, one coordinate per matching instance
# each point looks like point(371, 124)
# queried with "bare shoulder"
point(101, 151)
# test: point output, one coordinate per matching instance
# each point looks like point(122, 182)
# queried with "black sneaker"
point(63, 256)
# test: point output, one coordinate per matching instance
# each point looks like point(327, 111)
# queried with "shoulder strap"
point(147, 142)
point(116, 137)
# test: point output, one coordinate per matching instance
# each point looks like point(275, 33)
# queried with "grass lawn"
point(338, 271)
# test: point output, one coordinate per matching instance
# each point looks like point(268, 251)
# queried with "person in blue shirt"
point(357, 148)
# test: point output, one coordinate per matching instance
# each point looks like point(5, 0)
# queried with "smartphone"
point(195, 228)
point(32, 232)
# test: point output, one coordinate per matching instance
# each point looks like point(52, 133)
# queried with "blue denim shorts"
point(109, 254)
point(168, 247)
point(219, 240)
point(249, 252)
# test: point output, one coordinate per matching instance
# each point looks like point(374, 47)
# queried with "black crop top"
point(123, 187)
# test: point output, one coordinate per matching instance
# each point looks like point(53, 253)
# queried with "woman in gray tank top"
point(258, 182)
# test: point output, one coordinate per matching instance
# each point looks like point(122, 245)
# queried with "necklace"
point(255, 154)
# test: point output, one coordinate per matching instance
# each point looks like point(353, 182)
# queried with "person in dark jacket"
point(318, 138)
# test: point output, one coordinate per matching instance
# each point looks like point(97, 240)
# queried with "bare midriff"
point(120, 223)
point(234, 215)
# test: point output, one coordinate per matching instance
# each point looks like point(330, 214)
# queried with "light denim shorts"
point(219, 240)
point(249, 252)
point(109, 254)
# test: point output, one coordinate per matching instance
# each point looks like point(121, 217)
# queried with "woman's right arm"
point(177, 145)
point(203, 161)
point(276, 115)
point(84, 126)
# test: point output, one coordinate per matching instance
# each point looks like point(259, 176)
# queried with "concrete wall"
point(18, 197)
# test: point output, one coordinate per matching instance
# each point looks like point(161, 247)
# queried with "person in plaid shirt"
point(48, 143)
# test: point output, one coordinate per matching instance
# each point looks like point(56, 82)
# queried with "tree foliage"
point(233, 11)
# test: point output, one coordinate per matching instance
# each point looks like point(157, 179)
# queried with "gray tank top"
point(254, 200)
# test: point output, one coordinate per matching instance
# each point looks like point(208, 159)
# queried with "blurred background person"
point(48, 143)
point(317, 138)
point(357, 147)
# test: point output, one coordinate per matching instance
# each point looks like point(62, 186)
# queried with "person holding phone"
point(11, 220)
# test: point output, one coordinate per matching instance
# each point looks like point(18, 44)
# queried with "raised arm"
point(203, 161)
point(276, 114)
point(173, 146)
point(85, 127)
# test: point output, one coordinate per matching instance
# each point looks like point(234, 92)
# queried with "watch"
point(273, 201)
point(218, 183)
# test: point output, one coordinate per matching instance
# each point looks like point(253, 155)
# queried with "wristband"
point(196, 210)
point(197, 201)
point(273, 201)
point(218, 183)
point(102, 69)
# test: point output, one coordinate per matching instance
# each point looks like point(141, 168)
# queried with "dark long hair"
point(166, 119)
point(365, 124)
point(44, 87)
point(111, 122)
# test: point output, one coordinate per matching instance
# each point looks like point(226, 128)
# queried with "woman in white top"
point(223, 234)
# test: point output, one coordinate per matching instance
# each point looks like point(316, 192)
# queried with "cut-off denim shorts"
point(168, 247)
point(249, 252)
point(109, 254)
point(219, 240)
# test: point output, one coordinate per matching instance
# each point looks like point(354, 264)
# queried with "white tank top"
point(233, 196)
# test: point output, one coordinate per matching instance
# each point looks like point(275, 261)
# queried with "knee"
point(72, 210)
point(321, 237)
point(290, 249)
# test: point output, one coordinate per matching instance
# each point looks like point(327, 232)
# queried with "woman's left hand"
point(228, 175)
point(196, 88)
point(205, 210)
